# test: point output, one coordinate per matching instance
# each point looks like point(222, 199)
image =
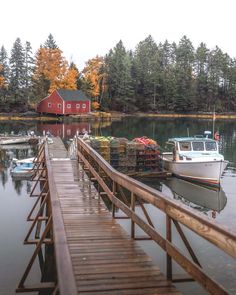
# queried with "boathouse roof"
point(72, 95)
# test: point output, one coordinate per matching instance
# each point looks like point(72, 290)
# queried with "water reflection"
point(208, 200)
point(205, 199)
point(69, 129)
point(7, 153)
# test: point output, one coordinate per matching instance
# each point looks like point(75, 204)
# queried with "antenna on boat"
point(213, 121)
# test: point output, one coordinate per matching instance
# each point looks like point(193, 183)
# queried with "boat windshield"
point(198, 146)
point(185, 146)
point(210, 146)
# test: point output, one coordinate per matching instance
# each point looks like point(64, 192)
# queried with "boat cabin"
point(187, 148)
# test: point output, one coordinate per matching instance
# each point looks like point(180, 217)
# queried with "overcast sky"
point(84, 29)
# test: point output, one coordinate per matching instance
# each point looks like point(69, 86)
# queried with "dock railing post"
point(168, 257)
point(133, 198)
point(114, 193)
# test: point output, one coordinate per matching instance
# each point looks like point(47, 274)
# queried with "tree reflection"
point(4, 177)
point(18, 184)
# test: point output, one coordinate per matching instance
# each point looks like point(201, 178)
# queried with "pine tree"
point(17, 77)
point(168, 89)
point(119, 82)
point(28, 70)
point(50, 43)
point(201, 72)
point(184, 74)
point(146, 72)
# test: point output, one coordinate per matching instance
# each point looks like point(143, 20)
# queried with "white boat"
point(196, 159)
point(22, 161)
point(13, 140)
point(23, 170)
point(20, 146)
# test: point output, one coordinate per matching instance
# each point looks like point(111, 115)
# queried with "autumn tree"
point(4, 73)
point(52, 70)
point(92, 78)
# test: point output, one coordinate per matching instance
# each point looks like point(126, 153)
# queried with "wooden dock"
point(105, 260)
point(93, 253)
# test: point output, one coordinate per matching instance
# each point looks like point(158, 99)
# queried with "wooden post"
point(114, 193)
point(133, 209)
point(168, 257)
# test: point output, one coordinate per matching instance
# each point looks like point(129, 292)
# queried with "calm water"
point(220, 206)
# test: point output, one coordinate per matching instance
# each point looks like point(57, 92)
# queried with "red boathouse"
point(65, 102)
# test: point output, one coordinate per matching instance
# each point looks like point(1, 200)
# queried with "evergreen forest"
point(164, 77)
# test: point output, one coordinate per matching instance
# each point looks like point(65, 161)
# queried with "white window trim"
point(78, 105)
point(68, 106)
point(84, 106)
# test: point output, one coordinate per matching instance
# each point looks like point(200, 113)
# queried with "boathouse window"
point(185, 146)
point(78, 106)
point(68, 106)
point(49, 104)
point(210, 146)
point(59, 106)
point(84, 106)
point(198, 146)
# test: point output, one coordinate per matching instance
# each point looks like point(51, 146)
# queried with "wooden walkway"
point(105, 259)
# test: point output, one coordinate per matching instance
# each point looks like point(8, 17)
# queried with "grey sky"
point(83, 29)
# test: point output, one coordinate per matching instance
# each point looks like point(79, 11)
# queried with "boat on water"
point(23, 170)
point(13, 140)
point(199, 197)
point(19, 146)
point(195, 158)
point(22, 161)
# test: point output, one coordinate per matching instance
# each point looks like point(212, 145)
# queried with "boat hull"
point(9, 141)
point(22, 175)
point(208, 172)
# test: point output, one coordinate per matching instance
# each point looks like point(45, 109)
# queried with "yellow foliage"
point(92, 75)
point(52, 66)
point(95, 105)
point(3, 82)
point(70, 77)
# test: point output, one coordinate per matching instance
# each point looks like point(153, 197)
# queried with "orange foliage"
point(52, 66)
point(95, 105)
point(92, 75)
point(70, 78)
point(2, 82)
point(2, 79)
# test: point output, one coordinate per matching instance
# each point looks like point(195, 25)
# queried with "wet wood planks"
point(104, 258)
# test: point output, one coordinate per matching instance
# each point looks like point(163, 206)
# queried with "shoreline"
point(103, 116)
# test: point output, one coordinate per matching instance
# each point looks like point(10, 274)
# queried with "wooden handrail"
point(211, 230)
point(65, 274)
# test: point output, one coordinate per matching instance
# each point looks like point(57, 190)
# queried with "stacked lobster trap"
point(127, 156)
